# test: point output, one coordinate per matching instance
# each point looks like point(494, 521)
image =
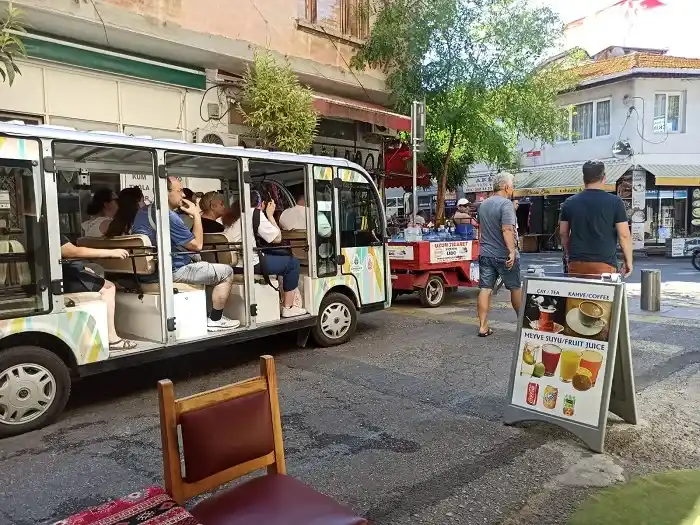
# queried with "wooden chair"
point(230, 432)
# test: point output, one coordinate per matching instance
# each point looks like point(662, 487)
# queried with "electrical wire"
point(641, 135)
point(204, 96)
point(346, 63)
point(104, 26)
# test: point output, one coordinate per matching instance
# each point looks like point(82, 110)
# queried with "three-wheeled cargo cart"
point(431, 268)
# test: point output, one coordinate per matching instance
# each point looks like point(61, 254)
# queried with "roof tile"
point(633, 61)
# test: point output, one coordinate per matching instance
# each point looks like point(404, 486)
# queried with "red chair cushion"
point(273, 500)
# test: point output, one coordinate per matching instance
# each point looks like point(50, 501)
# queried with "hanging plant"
point(277, 107)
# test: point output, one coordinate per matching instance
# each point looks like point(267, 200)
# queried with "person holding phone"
point(188, 267)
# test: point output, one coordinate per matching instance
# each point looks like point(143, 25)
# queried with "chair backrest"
point(300, 252)
point(134, 244)
point(218, 241)
point(226, 433)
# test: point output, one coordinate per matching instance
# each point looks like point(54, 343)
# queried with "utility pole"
point(417, 146)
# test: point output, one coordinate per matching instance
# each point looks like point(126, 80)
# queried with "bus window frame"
point(335, 235)
point(381, 213)
point(43, 288)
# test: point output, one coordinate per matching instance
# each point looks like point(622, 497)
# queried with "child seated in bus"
point(189, 268)
point(268, 234)
point(77, 278)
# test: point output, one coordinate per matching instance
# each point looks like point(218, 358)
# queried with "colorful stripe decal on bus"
point(323, 173)
point(347, 175)
point(25, 149)
point(77, 329)
point(367, 265)
point(323, 285)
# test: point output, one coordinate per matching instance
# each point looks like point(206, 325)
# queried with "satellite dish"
point(622, 149)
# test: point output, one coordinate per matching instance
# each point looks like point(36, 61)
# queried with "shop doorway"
point(666, 215)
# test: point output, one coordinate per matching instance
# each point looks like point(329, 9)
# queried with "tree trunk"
point(442, 183)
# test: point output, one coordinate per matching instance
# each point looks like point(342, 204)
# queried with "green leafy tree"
point(476, 63)
point(277, 107)
point(11, 45)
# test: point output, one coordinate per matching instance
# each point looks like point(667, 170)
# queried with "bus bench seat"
point(135, 244)
point(299, 252)
point(218, 241)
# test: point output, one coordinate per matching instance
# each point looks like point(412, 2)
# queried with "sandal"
point(122, 344)
point(486, 333)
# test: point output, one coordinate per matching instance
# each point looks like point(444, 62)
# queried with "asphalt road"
point(671, 269)
point(403, 424)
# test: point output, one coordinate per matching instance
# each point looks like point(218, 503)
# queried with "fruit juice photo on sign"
point(563, 350)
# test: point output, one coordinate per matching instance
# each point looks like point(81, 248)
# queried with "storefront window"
point(666, 215)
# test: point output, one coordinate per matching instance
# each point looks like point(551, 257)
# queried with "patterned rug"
point(152, 506)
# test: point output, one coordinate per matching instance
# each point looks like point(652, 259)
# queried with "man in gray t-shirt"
point(498, 254)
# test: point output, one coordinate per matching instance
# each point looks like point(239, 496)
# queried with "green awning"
point(112, 61)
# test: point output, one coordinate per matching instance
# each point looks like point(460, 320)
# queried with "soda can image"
point(549, 399)
point(569, 404)
point(533, 389)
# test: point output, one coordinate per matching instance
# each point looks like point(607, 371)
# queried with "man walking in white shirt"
point(295, 218)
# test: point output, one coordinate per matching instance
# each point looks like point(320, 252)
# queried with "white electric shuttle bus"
point(49, 338)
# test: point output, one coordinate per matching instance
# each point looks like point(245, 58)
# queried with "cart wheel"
point(433, 294)
point(394, 296)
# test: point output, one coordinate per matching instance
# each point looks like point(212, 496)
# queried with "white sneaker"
point(293, 311)
point(222, 324)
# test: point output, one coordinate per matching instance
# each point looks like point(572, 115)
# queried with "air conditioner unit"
point(384, 132)
point(214, 136)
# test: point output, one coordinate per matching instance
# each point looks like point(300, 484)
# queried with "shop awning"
point(564, 180)
point(670, 175)
point(337, 107)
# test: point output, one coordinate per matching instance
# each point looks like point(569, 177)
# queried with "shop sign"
point(145, 182)
point(479, 184)
point(400, 253)
point(441, 252)
point(638, 211)
point(659, 124)
point(573, 362)
point(564, 190)
point(678, 181)
point(684, 247)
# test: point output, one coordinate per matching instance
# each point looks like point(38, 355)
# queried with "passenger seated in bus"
point(268, 234)
point(213, 209)
point(101, 209)
point(77, 278)
point(190, 269)
point(295, 218)
point(198, 197)
point(130, 202)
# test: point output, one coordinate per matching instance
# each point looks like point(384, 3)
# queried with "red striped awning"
point(337, 107)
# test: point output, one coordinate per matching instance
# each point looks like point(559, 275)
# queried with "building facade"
point(171, 69)
point(650, 101)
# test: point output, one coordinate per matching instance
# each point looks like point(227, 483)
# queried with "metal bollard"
point(650, 299)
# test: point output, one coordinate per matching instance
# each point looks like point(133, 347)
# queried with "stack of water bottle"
point(443, 233)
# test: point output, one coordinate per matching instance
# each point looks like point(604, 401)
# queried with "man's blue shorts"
point(491, 267)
